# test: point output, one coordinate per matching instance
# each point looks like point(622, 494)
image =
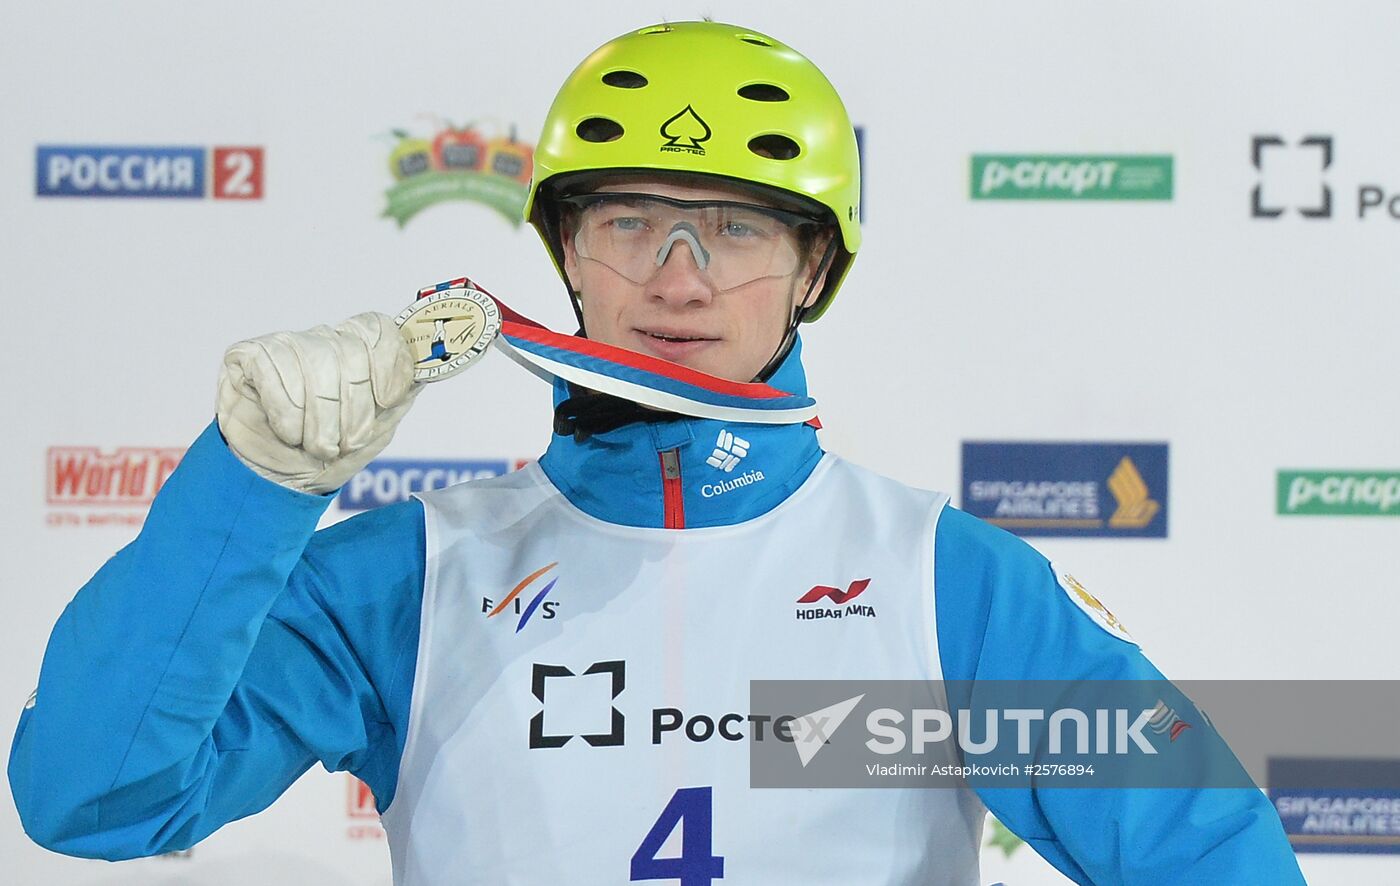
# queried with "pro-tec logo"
point(580, 706)
point(537, 602)
point(458, 163)
point(826, 594)
point(388, 480)
point(1315, 152)
point(729, 451)
point(1068, 489)
point(685, 131)
point(224, 173)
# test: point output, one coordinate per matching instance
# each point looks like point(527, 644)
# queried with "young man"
point(696, 185)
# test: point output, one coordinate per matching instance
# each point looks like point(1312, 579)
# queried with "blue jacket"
point(231, 646)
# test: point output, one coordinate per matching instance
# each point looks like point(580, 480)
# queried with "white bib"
point(592, 727)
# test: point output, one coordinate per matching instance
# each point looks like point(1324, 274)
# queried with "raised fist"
point(310, 409)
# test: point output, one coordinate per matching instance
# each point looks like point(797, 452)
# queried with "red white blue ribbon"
point(640, 378)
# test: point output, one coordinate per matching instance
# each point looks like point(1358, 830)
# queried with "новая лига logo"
point(1084, 489)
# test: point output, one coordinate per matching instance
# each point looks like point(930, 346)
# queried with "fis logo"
point(729, 451)
point(389, 480)
point(223, 173)
point(838, 597)
point(85, 475)
point(550, 609)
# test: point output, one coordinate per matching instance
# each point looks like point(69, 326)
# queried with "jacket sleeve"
point(1002, 615)
point(213, 660)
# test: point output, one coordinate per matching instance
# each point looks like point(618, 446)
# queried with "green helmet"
point(708, 99)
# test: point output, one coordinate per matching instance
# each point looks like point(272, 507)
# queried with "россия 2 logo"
point(188, 172)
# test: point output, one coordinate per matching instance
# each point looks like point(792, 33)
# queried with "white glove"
point(310, 409)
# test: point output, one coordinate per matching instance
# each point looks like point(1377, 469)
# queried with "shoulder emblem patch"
point(1091, 605)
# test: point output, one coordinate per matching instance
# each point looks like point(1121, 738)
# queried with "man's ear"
point(571, 270)
point(813, 265)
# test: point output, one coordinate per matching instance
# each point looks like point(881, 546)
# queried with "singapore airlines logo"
point(1135, 506)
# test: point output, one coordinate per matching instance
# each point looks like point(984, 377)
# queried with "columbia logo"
point(729, 451)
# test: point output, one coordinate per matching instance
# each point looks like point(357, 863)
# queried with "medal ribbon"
point(640, 378)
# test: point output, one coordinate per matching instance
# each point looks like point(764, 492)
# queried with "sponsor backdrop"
point(1128, 288)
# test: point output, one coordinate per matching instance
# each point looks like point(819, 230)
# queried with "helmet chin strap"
point(799, 310)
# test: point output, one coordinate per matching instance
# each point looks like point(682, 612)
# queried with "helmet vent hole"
point(764, 92)
point(599, 130)
point(756, 41)
point(774, 147)
point(624, 79)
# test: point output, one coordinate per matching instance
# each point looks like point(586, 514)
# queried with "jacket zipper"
point(672, 502)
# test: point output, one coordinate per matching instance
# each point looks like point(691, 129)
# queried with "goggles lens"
point(731, 243)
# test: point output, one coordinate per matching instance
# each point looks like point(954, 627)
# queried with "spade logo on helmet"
point(685, 131)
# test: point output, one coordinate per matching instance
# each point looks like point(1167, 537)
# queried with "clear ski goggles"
point(731, 243)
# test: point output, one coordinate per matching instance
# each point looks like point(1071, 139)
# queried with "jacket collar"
point(689, 472)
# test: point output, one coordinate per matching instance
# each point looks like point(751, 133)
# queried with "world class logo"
point(1068, 489)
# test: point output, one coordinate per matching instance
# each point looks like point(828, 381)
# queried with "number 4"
point(691, 808)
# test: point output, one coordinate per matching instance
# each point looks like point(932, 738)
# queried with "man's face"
point(679, 314)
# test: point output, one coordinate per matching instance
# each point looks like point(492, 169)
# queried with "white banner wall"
point(1084, 221)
